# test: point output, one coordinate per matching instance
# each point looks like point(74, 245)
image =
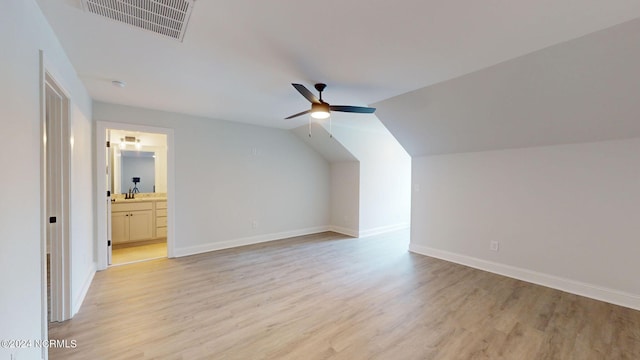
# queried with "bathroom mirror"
point(147, 162)
point(138, 171)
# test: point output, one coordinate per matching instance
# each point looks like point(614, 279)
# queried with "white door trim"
point(60, 208)
point(43, 209)
point(109, 174)
point(59, 205)
point(101, 185)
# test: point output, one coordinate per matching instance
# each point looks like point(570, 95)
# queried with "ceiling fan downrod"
point(320, 87)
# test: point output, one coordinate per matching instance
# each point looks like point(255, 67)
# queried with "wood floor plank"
point(327, 296)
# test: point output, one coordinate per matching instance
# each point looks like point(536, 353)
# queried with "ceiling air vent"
point(164, 17)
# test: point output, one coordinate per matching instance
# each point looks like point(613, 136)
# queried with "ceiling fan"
point(321, 109)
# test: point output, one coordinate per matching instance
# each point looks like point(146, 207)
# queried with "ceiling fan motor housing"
point(323, 106)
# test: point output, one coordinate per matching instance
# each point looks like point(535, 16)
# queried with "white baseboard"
point(250, 240)
point(344, 231)
point(383, 229)
point(77, 303)
point(571, 286)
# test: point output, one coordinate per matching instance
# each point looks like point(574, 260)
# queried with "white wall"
point(565, 216)
point(345, 197)
point(370, 172)
point(83, 265)
point(23, 32)
point(345, 177)
point(385, 174)
point(228, 175)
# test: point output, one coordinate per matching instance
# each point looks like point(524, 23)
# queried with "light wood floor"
point(330, 297)
point(148, 250)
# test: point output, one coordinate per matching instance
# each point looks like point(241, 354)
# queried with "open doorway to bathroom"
point(137, 182)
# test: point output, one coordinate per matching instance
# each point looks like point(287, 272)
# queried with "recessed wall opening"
point(137, 183)
point(135, 219)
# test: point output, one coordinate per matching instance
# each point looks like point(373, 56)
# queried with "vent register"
point(165, 17)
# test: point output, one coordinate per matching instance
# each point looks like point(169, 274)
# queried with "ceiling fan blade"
point(306, 93)
point(353, 109)
point(298, 114)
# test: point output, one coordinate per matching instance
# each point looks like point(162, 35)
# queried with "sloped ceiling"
point(322, 142)
point(583, 90)
point(239, 57)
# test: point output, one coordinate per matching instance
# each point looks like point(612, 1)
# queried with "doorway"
point(56, 164)
point(137, 180)
point(135, 222)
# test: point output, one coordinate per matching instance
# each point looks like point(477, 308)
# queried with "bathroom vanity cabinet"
point(137, 220)
point(161, 219)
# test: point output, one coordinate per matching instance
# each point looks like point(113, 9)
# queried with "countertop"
point(136, 200)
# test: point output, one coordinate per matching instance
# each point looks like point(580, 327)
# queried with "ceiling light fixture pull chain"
point(309, 125)
point(330, 131)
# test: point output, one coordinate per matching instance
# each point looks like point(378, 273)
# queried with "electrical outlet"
point(494, 246)
point(254, 224)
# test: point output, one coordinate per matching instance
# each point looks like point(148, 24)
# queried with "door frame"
point(101, 185)
point(60, 252)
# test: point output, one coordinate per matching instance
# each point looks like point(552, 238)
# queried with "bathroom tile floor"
point(133, 254)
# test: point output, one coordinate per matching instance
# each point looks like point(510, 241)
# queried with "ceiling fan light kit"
point(320, 111)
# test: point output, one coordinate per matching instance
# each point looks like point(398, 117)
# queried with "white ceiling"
point(583, 90)
point(239, 57)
